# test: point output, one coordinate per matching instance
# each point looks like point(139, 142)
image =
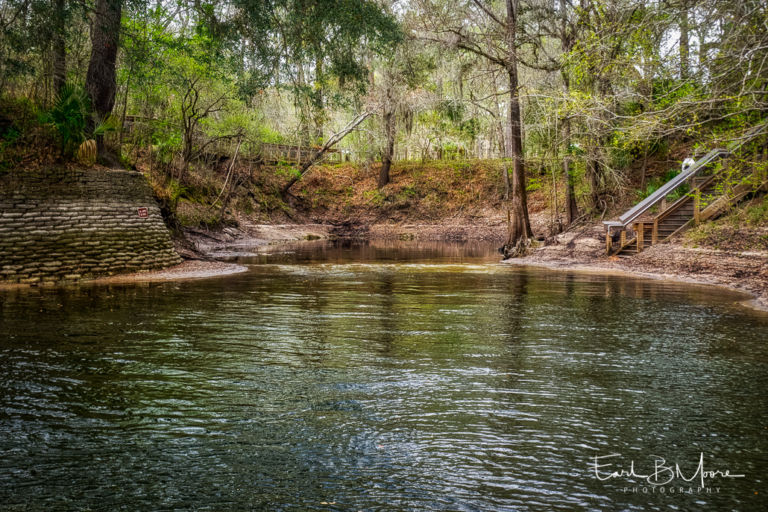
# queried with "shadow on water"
point(378, 377)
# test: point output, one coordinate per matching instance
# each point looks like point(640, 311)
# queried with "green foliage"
point(534, 184)
point(620, 158)
point(176, 190)
point(166, 141)
point(196, 215)
point(757, 215)
point(203, 77)
point(623, 150)
point(668, 92)
point(451, 110)
point(270, 136)
point(655, 183)
point(108, 125)
point(286, 170)
point(69, 116)
point(374, 197)
point(24, 134)
point(283, 34)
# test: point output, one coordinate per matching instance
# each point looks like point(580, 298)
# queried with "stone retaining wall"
point(70, 223)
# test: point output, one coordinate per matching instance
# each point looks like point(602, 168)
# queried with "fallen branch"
point(332, 141)
point(229, 173)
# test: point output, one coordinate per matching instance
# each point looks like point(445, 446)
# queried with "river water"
point(396, 376)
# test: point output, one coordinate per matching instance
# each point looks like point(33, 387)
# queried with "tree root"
point(516, 250)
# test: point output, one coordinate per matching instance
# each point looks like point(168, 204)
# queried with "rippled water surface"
point(380, 377)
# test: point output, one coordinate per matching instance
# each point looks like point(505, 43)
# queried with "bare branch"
point(487, 11)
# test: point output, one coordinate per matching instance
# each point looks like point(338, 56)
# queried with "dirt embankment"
point(433, 201)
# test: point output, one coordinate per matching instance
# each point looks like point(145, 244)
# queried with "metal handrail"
point(663, 191)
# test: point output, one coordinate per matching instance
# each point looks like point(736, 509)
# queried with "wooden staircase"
point(671, 221)
point(705, 200)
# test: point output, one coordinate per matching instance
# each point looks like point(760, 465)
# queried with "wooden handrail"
point(663, 191)
point(649, 202)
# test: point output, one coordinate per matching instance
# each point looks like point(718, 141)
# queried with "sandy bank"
point(189, 269)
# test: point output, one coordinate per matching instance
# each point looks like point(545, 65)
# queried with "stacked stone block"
point(65, 224)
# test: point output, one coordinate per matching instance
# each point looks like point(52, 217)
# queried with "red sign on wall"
point(143, 212)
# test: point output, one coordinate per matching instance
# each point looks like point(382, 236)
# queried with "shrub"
point(69, 116)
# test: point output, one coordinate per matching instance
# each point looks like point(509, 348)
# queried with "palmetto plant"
point(69, 116)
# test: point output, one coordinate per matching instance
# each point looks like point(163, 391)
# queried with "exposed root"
point(516, 250)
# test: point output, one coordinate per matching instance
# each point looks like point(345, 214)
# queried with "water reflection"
point(376, 251)
point(394, 385)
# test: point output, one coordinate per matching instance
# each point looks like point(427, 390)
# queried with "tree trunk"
point(101, 82)
point(566, 43)
point(503, 139)
point(593, 170)
point(59, 46)
point(506, 140)
point(320, 112)
point(571, 207)
point(125, 109)
point(386, 159)
point(684, 46)
point(304, 108)
point(520, 226)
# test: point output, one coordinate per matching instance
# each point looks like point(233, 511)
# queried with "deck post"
point(655, 233)
point(697, 206)
point(623, 239)
point(762, 167)
point(640, 230)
